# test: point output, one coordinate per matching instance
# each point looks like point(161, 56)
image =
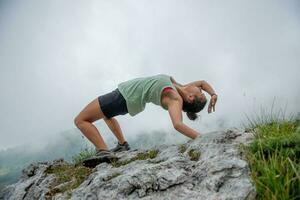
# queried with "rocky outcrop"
point(210, 167)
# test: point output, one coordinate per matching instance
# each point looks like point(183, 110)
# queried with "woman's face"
point(194, 92)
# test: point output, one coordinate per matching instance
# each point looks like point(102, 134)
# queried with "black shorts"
point(112, 104)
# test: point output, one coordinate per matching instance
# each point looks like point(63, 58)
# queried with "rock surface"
point(210, 167)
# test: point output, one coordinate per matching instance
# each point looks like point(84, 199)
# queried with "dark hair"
point(192, 108)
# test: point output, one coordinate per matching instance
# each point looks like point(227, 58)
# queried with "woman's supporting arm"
point(187, 131)
point(175, 112)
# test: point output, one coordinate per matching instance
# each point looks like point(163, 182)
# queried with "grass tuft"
point(274, 155)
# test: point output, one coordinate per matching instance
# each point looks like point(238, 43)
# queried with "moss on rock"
point(182, 148)
point(140, 156)
point(68, 177)
point(194, 154)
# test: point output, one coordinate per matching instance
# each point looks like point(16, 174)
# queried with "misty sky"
point(57, 56)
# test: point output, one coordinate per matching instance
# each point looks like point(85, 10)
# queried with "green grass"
point(274, 155)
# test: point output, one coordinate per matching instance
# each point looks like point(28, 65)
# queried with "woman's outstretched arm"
point(175, 112)
point(201, 84)
point(209, 89)
point(204, 86)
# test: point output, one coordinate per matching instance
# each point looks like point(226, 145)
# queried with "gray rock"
point(216, 171)
point(34, 183)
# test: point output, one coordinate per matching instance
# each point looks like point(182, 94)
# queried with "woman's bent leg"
point(84, 120)
point(114, 126)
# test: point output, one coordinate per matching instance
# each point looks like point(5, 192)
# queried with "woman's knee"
point(78, 122)
point(90, 114)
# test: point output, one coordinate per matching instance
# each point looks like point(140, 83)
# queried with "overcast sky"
point(57, 56)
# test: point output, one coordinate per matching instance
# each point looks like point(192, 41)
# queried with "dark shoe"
point(103, 152)
point(100, 157)
point(121, 147)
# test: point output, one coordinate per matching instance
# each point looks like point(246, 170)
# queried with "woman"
point(131, 97)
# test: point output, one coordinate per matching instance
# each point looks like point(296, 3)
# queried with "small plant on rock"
point(182, 148)
point(194, 154)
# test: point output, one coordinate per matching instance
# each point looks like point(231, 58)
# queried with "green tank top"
point(139, 91)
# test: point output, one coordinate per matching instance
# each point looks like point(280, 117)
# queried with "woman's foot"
point(100, 152)
point(121, 147)
point(101, 156)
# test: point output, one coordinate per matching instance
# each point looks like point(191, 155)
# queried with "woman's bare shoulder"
point(169, 96)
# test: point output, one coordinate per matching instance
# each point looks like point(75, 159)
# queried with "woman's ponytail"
point(191, 115)
point(192, 108)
